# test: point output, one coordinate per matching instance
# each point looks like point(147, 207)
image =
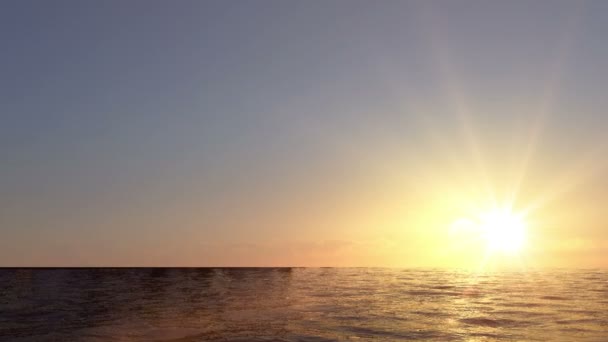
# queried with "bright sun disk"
point(503, 231)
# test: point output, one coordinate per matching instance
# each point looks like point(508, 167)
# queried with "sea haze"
point(301, 304)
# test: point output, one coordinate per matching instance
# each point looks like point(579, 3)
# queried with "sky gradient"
point(299, 133)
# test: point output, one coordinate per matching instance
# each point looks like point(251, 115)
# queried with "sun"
point(497, 233)
point(503, 231)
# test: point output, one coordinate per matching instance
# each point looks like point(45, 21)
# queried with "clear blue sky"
point(220, 132)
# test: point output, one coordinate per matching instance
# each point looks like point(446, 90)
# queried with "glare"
point(503, 231)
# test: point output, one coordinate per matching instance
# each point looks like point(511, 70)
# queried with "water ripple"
point(300, 304)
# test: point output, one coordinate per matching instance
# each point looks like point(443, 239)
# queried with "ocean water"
point(301, 304)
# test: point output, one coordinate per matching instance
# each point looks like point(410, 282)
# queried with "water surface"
point(301, 304)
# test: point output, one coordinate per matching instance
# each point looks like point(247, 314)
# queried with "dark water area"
point(301, 304)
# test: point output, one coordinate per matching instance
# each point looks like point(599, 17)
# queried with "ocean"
point(301, 304)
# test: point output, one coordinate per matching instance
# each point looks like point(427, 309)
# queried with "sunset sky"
point(301, 133)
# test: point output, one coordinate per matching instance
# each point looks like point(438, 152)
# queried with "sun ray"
point(547, 101)
point(581, 171)
point(457, 97)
